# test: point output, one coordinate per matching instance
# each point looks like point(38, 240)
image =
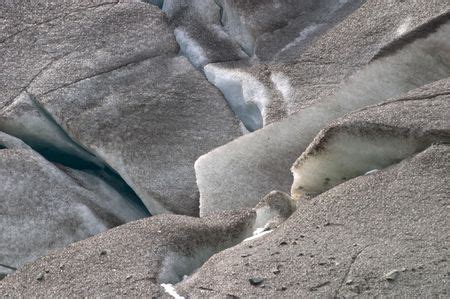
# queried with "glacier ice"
point(253, 165)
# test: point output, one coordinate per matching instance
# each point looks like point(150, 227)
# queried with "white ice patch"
point(258, 234)
point(303, 35)
point(283, 85)
point(373, 171)
point(404, 27)
point(190, 48)
point(170, 289)
point(246, 95)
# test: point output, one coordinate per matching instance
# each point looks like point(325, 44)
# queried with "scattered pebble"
point(129, 277)
point(315, 288)
point(62, 266)
point(256, 281)
point(103, 252)
point(283, 243)
point(275, 271)
point(391, 275)
point(40, 276)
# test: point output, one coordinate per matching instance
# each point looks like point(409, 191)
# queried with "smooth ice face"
point(253, 165)
point(347, 156)
point(245, 94)
point(374, 138)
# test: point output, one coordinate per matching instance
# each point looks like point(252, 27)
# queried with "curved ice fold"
point(245, 94)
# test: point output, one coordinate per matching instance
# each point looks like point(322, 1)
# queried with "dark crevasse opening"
point(40, 131)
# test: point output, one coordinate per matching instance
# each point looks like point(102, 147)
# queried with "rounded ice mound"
point(273, 210)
